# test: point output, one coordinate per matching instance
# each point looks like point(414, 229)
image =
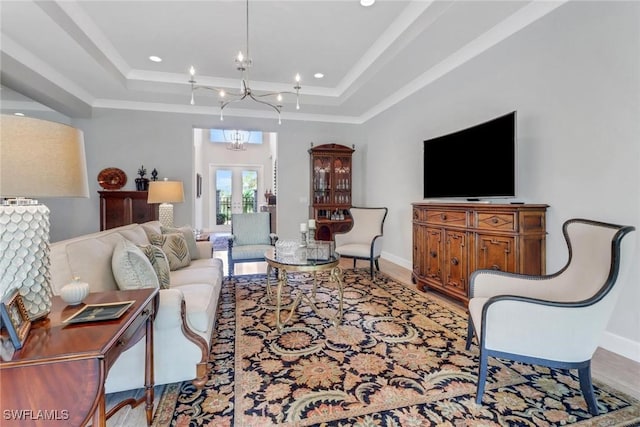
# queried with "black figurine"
point(142, 183)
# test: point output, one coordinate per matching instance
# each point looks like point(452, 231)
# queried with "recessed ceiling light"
point(318, 75)
point(19, 114)
point(367, 3)
point(155, 58)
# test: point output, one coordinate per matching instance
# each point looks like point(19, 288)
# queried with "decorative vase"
point(142, 184)
point(75, 292)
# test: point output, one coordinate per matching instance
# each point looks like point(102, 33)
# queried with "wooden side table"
point(59, 374)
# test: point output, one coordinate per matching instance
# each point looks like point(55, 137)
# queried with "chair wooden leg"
point(371, 268)
point(469, 334)
point(377, 264)
point(482, 376)
point(231, 266)
point(586, 387)
point(354, 263)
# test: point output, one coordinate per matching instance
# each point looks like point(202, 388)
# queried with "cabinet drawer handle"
point(495, 267)
point(433, 254)
point(443, 217)
point(494, 220)
point(455, 261)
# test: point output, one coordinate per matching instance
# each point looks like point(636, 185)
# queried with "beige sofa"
point(185, 318)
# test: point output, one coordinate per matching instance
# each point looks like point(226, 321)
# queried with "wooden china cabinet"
point(330, 194)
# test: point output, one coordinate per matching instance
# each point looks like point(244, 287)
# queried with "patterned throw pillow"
point(159, 263)
point(190, 238)
point(174, 247)
point(131, 268)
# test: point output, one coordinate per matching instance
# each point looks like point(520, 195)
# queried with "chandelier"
point(272, 99)
point(237, 139)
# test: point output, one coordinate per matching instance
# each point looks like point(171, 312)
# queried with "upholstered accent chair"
point(250, 238)
point(364, 240)
point(555, 320)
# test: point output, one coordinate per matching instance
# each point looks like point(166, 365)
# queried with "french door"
point(235, 190)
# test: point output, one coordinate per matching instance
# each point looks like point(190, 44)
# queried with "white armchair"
point(555, 320)
point(364, 240)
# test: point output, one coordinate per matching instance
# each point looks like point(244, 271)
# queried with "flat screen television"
point(473, 163)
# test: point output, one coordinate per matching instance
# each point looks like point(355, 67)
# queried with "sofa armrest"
point(172, 313)
point(169, 313)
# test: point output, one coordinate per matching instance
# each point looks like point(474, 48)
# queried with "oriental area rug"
point(396, 359)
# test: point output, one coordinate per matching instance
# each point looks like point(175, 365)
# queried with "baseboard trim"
point(621, 345)
point(397, 260)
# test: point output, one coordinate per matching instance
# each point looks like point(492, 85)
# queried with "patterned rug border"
point(169, 399)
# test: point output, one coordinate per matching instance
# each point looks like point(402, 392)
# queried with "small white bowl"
point(75, 292)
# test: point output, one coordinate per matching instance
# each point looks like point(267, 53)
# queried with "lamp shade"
point(39, 158)
point(165, 192)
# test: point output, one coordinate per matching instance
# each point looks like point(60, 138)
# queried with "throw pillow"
point(187, 232)
point(131, 268)
point(174, 247)
point(159, 263)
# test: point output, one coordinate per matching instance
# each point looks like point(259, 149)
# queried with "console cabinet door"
point(434, 254)
point(455, 262)
point(496, 253)
point(419, 257)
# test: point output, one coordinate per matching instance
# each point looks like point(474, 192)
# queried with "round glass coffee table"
point(284, 264)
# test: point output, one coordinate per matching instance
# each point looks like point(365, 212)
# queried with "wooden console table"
point(58, 377)
point(452, 240)
point(119, 208)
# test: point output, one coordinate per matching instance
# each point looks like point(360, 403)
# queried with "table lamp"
point(165, 192)
point(38, 158)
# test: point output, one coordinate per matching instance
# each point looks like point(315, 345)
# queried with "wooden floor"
point(616, 371)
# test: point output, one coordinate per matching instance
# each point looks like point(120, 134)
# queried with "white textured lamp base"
point(165, 214)
point(24, 256)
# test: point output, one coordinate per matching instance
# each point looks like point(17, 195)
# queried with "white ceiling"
point(74, 56)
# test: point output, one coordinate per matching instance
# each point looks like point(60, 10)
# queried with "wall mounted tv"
point(473, 163)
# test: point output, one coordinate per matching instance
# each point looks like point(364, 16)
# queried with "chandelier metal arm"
point(243, 65)
point(216, 89)
point(223, 104)
point(275, 107)
point(274, 94)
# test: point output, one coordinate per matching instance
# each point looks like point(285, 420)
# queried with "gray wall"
point(573, 77)
point(129, 139)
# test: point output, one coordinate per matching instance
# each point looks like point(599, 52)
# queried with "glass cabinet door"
point(342, 173)
point(322, 180)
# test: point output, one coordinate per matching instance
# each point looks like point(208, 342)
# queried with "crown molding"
point(215, 111)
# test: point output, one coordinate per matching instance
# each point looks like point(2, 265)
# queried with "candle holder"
point(303, 239)
point(311, 238)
